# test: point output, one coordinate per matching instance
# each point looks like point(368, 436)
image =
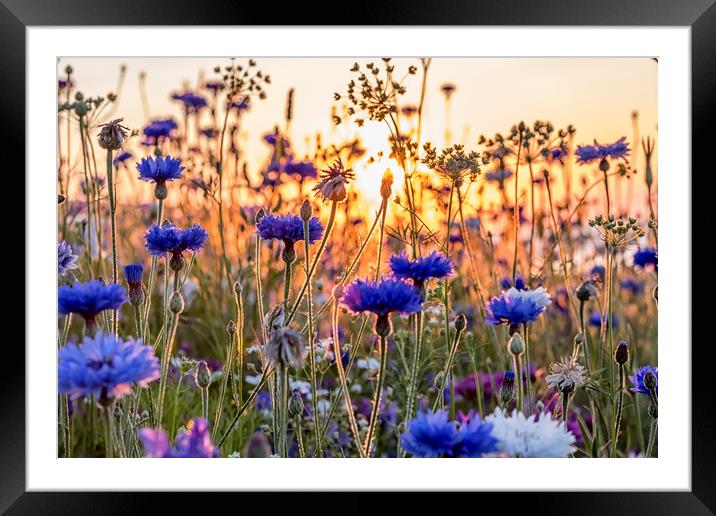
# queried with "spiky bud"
point(650, 381)
point(112, 135)
point(507, 390)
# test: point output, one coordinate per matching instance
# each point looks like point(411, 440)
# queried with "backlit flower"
point(538, 437)
point(89, 299)
point(65, 259)
point(435, 265)
point(566, 374)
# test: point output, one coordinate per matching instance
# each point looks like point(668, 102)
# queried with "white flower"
point(566, 374)
point(539, 296)
point(252, 379)
point(301, 386)
point(521, 436)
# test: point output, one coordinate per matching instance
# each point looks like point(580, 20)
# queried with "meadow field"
point(380, 272)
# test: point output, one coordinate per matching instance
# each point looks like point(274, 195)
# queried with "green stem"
point(372, 431)
point(113, 219)
point(652, 437)
point(316, 260)
point(620, 404)
point(264, 378)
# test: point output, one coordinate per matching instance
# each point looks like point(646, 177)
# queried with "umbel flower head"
point(159, 170)
point(89, 299)
point(112, 135)
point(105, 366)
point(431, 435)
point(453, 164)
point(566, 375)
point(333, 181)
point(382, 298)
point(516, 307)
point(537, 437)
point(435, 265)
point(617, 232)
point(192, 442)
point(285, 348)
point(65, 259)
point(638, 380)
point(168, 238)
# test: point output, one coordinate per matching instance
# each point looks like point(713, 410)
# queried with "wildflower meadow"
point(477, 296)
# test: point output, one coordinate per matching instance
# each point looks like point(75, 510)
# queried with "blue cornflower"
point(638, 379)
point(192, 442)
point(65, 259)
point(506, 283)
point(158, 130)
point(589, 153)
point(476, 438)
point(435, 265)
point(133, 274)
point(89, 299)
point(499, 175)
point(382, 297)
point(645, 257)
point(192, 102)
point(302, 169)
point(121, 158)
point(430, 435)
point(597, 274)
point(214, 86)
point(105, 366)
point(168, 238)
point(595, 319)
point(288, 228)
point(632, 285)
point(511, 309)
point(160, 169)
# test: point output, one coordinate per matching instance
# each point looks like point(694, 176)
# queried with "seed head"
point(112, 135)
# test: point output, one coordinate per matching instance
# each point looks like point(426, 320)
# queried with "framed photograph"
point(420, 251)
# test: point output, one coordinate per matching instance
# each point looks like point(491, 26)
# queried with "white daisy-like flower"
point(539, 296)
point(520, 436)
point(566, 374)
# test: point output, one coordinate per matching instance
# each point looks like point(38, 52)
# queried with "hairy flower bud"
point(516, 345)
point(650, 381)
point(202, 375)
point(295, 404)
point(176, 303)
point(231, 328)
point(586, 291)
point(621, 355)
point(160, 190)
point(460, 322)
point(306, 211)
point(507, 390)
point(257, 447)
point(285, 348)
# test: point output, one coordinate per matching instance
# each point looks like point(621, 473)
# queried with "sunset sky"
point(596, 95)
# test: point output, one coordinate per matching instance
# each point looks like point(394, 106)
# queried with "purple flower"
point(430, 435)
point(595, 319)
point(133, 274)
point(160, 169)
point(632, 285)
point(158, 130)
point(192, 442)
point(435, 265)
point(65, 259)
point(192, 102)
point(589, 153)
point(105, 366)
point(382, 297)
point(288, 228)
point(89, 299)
point(506, 283)
point(302, 169)
point(168, 238)
point(476, 437)
point(121, 158)
point(638, 379)
point(645, 257)
point(504, 309)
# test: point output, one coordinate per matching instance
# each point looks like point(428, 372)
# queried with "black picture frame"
point(699, 15)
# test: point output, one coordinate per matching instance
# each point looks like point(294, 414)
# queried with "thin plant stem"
point(372, 430)
point(266, 376)
point(113, 224)
point(620, 405)
point(652, 437)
